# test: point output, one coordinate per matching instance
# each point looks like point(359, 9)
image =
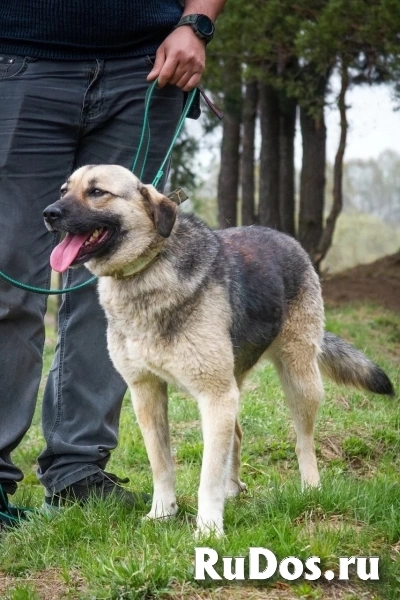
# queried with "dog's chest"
point(136, 346)
point(135, 339)
point(135, 351)
point(196, 355)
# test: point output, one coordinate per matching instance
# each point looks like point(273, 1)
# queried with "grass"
point(106, 552)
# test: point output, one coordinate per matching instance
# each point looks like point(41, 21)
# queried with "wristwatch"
point(201, 25)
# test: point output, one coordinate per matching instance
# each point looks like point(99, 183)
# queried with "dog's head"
point(110, 219)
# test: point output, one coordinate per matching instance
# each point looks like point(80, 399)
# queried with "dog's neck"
point(144, 261)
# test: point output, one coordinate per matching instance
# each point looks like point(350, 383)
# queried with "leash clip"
point(178, 196)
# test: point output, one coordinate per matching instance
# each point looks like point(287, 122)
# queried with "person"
point(73, 79)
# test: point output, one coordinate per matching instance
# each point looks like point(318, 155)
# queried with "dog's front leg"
point(150, 402)
point(218, 413)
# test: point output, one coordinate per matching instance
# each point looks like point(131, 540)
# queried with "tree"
point(289, 51)
point(249, 117)
point(360, 40)
point(326, 236)
point(228, 180)
point(268, 203)
point(287, 130)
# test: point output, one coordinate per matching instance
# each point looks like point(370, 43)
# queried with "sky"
point(374, 125)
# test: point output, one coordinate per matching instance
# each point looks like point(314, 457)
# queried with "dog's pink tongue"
point(65, 253)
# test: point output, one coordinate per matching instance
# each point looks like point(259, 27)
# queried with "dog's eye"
point(63, 191)
point(96, 192)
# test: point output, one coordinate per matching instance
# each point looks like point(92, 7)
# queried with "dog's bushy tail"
point(346, 365)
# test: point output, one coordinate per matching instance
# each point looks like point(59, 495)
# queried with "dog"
point(198, 308)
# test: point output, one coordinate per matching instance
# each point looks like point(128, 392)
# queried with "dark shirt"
point(79, 29)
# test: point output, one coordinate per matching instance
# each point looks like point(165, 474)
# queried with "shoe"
point(100, 485)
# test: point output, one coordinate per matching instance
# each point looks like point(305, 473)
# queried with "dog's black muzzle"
point(53, 215)
point(74, 217)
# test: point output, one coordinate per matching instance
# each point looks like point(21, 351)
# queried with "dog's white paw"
point(310, 480)
point(234, 488)
point(207, 527)
point(162, 510)
point(311, 485)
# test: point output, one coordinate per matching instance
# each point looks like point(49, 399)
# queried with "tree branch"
point(327, 234)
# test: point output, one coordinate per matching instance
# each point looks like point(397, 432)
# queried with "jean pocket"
point(149, 61)
point(13, 66)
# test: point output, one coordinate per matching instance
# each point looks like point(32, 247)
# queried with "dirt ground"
point(377, 283)
point(49, 585)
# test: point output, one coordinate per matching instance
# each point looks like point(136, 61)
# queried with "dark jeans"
point(57, 116)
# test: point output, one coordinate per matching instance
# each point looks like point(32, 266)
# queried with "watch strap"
point(192, 21)
point(187, 20)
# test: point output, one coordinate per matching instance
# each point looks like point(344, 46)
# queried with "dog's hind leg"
point(233, 485)
point(218, 413)
point(150, 402)
point(302, 384)
point(295, 355)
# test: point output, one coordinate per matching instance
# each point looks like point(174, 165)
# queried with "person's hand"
point(180, 60)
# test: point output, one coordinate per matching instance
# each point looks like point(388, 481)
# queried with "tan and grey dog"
point(198, 308)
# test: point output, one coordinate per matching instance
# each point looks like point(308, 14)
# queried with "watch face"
point(205, 25)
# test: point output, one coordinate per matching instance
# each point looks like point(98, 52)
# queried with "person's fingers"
point(178, 71)
point(180, 83)
point(167, 71)
point(158, 64)
point(193, 82)
point(188, 81)
point(181, 70)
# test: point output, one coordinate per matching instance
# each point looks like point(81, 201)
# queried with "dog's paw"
point(311, 485)
point(234, 488)
point(209, 528)
point(162, 510)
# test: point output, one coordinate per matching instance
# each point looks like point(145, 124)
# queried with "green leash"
point(37, 290)
point(155, 182)
point(11, 515)
point(146, 129)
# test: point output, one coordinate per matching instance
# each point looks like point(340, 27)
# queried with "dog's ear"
point(160, 209)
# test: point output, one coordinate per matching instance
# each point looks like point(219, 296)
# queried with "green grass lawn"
point(104, 551)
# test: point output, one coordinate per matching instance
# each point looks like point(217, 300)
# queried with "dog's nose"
point(52, 213)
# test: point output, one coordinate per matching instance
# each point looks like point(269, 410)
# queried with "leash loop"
point(155, 182)
point(146, 129)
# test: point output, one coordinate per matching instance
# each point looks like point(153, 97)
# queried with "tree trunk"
point(327, 235)
point(268, 209)
point(228, 180)
point(286, 165)
point(248, 153)
point(312, 180)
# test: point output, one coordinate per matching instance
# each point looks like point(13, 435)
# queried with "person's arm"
point(181, 58)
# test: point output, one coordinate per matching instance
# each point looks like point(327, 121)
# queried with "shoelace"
point(109, 480)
